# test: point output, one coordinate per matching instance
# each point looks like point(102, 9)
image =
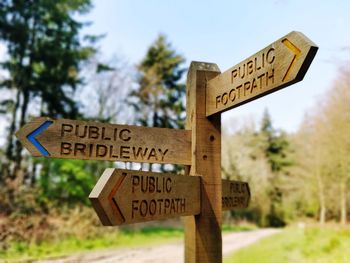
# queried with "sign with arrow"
point(279, 65)
point(235, 194)
point(126, 196)
point(62, 138)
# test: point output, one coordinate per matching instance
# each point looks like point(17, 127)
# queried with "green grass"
point(124, 238)
point(313, 244)
point(236, 228)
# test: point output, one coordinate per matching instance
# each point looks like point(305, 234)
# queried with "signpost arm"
point(203, 241)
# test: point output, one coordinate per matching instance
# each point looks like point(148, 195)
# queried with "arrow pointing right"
point(280, 64)
point(235, 194)
point(297, 53)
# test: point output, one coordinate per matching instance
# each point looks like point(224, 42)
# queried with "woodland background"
point(52, 69)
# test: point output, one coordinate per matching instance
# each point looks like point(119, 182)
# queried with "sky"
point(227, 32)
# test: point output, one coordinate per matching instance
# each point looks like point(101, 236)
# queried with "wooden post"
point(203, 241)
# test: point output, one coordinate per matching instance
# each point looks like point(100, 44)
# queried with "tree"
point(275, 146)
point(243, 160)
point(311, 169)
point(105, 97)
point(45, 54)
point(67, 182)
point(324, 150)
point(336, 111)
point(160, 99)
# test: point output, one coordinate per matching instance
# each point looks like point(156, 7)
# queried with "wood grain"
point(203, 241)
point(235, 194)
point(126, 196)
point(278, 65)
point(75, 139)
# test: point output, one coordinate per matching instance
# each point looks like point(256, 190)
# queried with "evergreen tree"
point(45, 53)
point(275, 146)
point(160, 99)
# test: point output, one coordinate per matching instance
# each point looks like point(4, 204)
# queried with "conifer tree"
point(159, 100)
point(275, 146)
point(44, 55)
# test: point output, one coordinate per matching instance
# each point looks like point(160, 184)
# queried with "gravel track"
point(170, 253)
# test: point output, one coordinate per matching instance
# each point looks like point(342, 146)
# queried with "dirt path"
point(170, 253)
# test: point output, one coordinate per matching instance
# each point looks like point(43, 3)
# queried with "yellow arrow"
point(296, 52)
point(280, 64)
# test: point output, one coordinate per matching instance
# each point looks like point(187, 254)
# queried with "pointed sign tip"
point(32, 137)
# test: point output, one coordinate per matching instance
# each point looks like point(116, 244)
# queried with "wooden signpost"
point(278, 65)
point(235, 194)
point(125, 196)
point(74, 139)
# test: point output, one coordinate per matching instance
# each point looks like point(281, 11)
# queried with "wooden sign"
point(279, 65)
point(235, 194)
point(72, 139)
point(126, 196)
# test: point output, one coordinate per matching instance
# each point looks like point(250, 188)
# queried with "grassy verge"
point(123, 238)
point(312, 244)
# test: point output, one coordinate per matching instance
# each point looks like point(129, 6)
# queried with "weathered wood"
point(126, 196)
point(279, 65)
point(203, 242)
point(74, 139)
point(235, 194)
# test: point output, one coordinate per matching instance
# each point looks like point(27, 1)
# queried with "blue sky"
point(226, 32)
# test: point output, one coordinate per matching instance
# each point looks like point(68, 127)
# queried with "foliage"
point(323, 162)
point(305, 174)
point(275, 146)
point(68, 230)
point(111, 239)
point(67, 182)
point(105, 97)
point(45, 55)
point(312, 244)
point(243, 160)
point(159, 100)
point(45, 51)
point(261, 158)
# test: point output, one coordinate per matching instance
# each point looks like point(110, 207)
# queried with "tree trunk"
point(321, 199)
point(343, 211)
point(12, 129)
point(18, 173)
point(8, 171)
point(33, 174)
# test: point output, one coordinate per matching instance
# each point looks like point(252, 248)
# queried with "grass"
point(123, 238)
point(126, 238)
point(309, 245)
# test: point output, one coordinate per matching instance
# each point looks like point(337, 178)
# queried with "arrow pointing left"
point(87, 140)
point(127, 196)
point(32, 137)
point(28, 136)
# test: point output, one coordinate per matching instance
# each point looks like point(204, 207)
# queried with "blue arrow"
point(32, 137)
